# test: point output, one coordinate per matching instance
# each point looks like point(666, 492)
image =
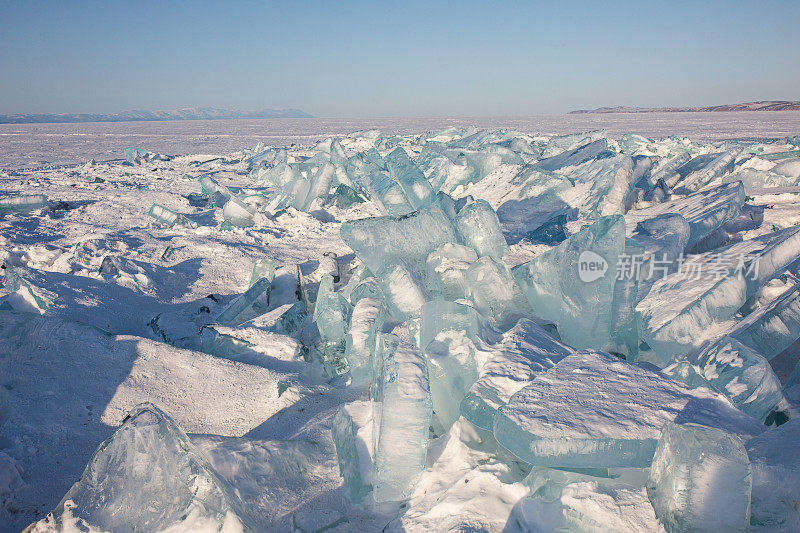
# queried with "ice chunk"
point(262, 268)
point(524, 351)
point(562, 143)
point(789, 168)
point(388, 193)
point(572, 156)
point(754, 180)
point(404, 401)
point(238, 213)
point(415, 186)
point(449, 331)
point(211, 188)
point(403, 289)
point(332, 314)
point(148, 476)
point(601, 184)
point(741, 374)
point(168, 217)
point(573, 283)
point(700, 480)
point(698, 179)
point(709, 288)
point(705, 210)
point(284, 320)
point(447, 175)
point(22, 203)
point(479, 228)
point(624, 326)
point(773, 328)
point(320, 185)
point(632, 143)
point(254, 302)
point(352, 436)
point(344, 197)
point(495, 293)
point(667, 169)
point(377, 241)
point(595, 410)
point(775, 461)
point(664, 239)
point(366, 324)
point(447, 270)
point(368, 288)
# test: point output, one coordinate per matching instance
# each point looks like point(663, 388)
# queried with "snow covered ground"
point(110, 306)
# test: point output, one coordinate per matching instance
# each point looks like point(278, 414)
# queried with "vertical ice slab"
point(511, 364)
point(388, 193)
point(366, 323)
point(352, 435)
point(700, 480)
point(573, 283)
point(376, 241)
point(595, 410)
point(495, 293)
point(698, 179)
point(447, 270)
point(332, 314)
point(403, 289)
point(479, 228)
point(416, 187)
point(262, 268)
point(148, 476)
point(404, 400)
point(601, 184)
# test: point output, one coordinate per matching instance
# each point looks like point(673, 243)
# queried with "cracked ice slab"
point(675, 316)
point(595, 410)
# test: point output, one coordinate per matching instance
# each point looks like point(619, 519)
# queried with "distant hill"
point(769, 105)
point(187, 113)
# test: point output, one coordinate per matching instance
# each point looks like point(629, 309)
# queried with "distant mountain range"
point(186, 113)
point(769, 105)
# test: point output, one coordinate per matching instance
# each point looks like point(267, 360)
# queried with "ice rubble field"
point(471, 330)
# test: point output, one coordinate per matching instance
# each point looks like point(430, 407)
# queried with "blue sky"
point(359, 59)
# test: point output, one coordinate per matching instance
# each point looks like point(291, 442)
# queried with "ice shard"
point(775, 462)
point(593, 409)
point(211, 188)
point(709, 288)
point(573, 283)
point(604, 183)
point(705, 211)
point(700, 480)
point(388, 193)
point(667, 169)
point(573, 156)
point(169, 218)
point(479, 228)
point(447, 175)
point(404, 401)
point(238, 213)
point(320, 185)
point(562, 143)
point(262, 268)
point(148, 476)
point(403, 290)
point(416, 187)
point(624, 325)
point(495, 293)
point(332, 314)
point(254, 302)
point(740, 373)
point(366, 324)
point(632, 143)
point(377, 241)
point(447, 270)
point(352, 435)
point(773, 328)
point(283, 320)
point(510, 365)
point(22, 203)
point(698, 179)
point(755, 180)
point(449, 331)
point(663, 239)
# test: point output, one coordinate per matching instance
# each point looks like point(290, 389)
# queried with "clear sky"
point(358, 59)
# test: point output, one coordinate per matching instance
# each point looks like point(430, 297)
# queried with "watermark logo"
point(591, 266)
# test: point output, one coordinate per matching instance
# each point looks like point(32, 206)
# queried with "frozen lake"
point(41, 145)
